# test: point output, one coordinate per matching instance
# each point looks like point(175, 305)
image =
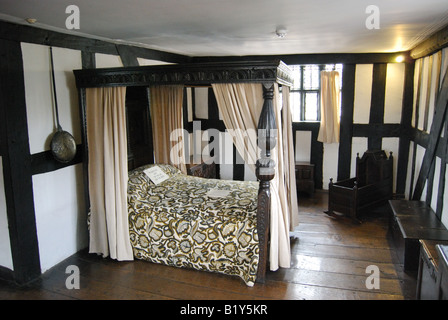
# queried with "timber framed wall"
point(375, 95)
point(43, 216)
point(395, 125)
point(427, 128)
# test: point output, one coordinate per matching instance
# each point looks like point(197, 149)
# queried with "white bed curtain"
point(240, 106)
point(330, 106)
point(167, 124)
point(108, 172)
point(289, 159)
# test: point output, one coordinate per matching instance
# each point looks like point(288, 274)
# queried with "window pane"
point(311, 77)
point(296, 75)
point(311, 105)
point(294, 98)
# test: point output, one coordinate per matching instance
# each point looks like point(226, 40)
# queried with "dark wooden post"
point(265, 171)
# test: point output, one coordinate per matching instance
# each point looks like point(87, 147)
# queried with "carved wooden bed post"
point(265, 171)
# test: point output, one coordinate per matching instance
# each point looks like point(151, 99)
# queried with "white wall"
point(363, 93)
point(61, 219)
point(58, 195)
point(107, 61)
point(303, 146)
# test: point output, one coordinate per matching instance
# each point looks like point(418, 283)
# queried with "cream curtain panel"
point(167, 125)
point(108, 172)
point(240, 106)
point(330, 106)
point(289, 159)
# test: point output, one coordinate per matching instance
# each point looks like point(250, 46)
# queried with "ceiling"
point(242, 27)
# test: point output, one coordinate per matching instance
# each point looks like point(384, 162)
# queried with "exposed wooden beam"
point(377, 103)
point(432, 44)
point(417, 106)
point(128, 58)
point(405, 128)
point(346, 126)
point(315, 58)
point(17, 165)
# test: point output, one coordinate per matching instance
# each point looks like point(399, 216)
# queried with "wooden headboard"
point(373, 167)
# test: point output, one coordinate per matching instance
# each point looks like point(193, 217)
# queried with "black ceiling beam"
point(23, 33)
point(314, 58)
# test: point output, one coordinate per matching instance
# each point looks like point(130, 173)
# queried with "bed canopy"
point(248, 98)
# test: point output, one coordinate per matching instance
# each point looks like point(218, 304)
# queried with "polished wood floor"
point(329, 261)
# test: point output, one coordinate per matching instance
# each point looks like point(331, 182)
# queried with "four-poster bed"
point(265, 73)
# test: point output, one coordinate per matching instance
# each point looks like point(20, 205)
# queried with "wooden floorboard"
point(329, 261)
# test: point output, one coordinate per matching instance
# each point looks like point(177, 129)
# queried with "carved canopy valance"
point(188, 74)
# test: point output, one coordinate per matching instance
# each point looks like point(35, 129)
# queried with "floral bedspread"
point(186, 221)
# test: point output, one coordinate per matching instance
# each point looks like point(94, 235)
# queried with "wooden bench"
point(412, 221)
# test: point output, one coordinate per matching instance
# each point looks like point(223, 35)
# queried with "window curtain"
point(108, 172)
point(167, 125)
point(330, 106)
point(240, 106)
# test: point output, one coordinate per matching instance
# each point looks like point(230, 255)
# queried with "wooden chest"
point(412, 221)
point(305, 177)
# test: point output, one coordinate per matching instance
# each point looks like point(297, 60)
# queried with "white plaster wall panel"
point(423, 91)
point(150, 62)
point(38, 96)
point(392, 145)
point(201, 102)
point(5, 244)
point(60, 214)
point(435, 186)
point(359, 145)
point(107, 61)
point(409, 171)
point(432, 93)
point(414, 99)
point(303, 146)
point(39, 93)
point(418, 164)
point(394, 92)
point(330, 163)
point(65, 61)
point(363, 93)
